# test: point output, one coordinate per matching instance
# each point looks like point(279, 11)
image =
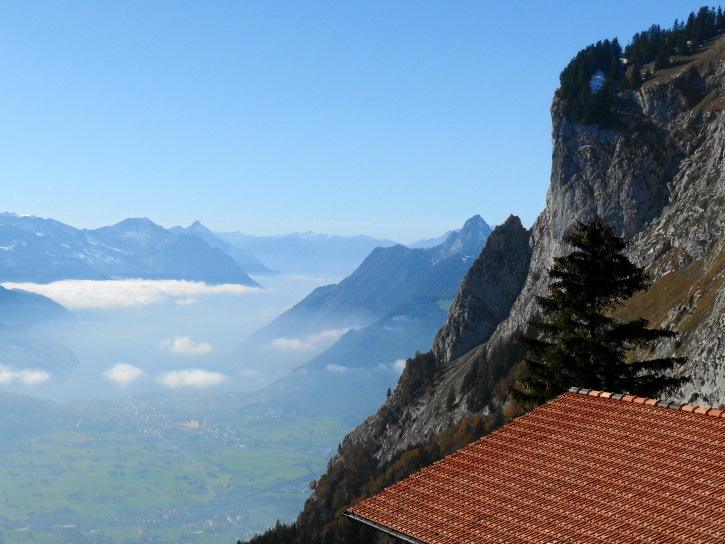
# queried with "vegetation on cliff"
point(590, 82)
point(579, 342)
point(358, 477)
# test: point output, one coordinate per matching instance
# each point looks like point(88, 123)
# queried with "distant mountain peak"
point(137, 223)
point(197, 227)
point(475, 222)
point(468, 240)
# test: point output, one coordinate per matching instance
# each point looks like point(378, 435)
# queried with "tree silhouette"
point(580, 343)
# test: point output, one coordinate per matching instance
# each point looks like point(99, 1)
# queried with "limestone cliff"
point(656, 174)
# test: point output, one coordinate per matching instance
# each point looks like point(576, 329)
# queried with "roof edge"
point(383, 528)
point(713, 412)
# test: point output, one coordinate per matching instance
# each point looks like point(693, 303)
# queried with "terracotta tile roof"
point(588, 467)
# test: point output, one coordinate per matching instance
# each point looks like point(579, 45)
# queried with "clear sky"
point(396, 119)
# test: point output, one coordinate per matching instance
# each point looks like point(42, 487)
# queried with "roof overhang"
point(383, 528)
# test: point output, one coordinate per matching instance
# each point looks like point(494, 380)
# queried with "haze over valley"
point(259, 261)
point(268, 372)
point(143, 334)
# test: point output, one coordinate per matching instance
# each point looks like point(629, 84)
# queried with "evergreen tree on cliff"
point(580, 343)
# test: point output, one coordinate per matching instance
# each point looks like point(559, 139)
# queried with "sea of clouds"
point(133, 336)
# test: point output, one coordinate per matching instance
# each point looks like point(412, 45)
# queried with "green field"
point(130, 472)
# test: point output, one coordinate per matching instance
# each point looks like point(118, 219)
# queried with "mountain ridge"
point(34, 249)
point(386, 279)
point(248, 263)
point(390, 306)
point(325, 255)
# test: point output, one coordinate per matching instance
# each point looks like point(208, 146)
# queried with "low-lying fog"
point(133, 336)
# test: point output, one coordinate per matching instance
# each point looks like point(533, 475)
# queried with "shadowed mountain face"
point(20, 310)
point(39, 250)
point(25, 345)
point(394, 303)
point(351, 378)
point(386, 279)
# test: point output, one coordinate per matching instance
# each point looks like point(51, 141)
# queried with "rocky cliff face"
point(657, 177)
point(487, 292)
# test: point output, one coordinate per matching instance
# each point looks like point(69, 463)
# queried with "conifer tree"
point(580, 343)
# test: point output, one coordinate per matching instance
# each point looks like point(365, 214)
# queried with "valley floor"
point(130, 472)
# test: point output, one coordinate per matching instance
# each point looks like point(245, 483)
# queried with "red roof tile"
point(581, 469)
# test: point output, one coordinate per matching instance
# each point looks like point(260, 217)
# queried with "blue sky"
point(394, 119)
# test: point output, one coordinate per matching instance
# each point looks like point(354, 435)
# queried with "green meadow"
point(130, 472)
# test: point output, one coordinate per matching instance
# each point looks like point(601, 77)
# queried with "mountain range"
point(33, 249)
point(248, 263)
point(390, 306)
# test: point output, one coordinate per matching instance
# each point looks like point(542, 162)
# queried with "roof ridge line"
point(634, 399)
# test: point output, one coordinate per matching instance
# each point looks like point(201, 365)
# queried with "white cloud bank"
point(337, 368)
point(310, 342)
point(192, 378)
point(123, 374)
point(78, 294)
point(28, 376)
point(184, 346)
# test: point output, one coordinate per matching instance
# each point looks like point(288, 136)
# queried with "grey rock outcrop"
point(487, 292)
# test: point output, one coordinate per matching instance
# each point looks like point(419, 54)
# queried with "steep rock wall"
point(487, 292)
point(657, 177)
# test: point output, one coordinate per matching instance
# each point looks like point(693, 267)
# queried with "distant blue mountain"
point(351, 377)
point(395, 302)
point(248, 263)
point(33, 249)
point(431, 242)
point(307, 253)
point(387, 278)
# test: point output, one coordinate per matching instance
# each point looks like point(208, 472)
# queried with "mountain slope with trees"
point(590, 83)
point(655, 174)
point(577, 341)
